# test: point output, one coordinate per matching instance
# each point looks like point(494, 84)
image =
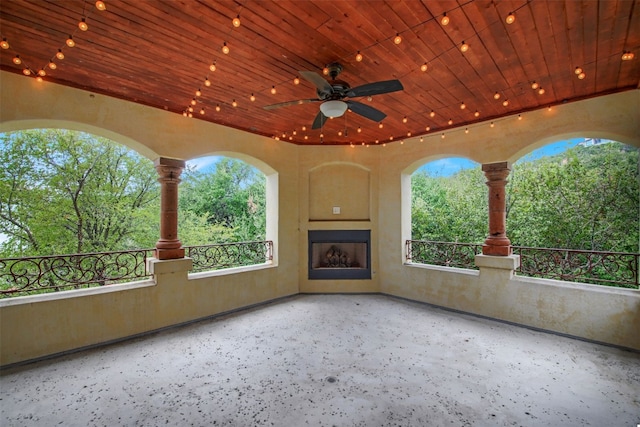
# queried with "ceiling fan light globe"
point(333, 108)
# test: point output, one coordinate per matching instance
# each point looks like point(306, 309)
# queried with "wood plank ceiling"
point(159, 53)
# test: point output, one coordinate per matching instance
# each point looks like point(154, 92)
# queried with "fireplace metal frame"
point(339, 236)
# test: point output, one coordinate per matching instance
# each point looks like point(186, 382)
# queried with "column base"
point(496, 250)
point(169, 253)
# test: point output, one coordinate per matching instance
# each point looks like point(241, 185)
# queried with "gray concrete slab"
point(332, 360)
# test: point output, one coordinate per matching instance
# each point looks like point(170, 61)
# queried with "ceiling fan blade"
point(366, 111)
point(376, 88)
point(288, 103)
point(319, 82)
point(319, 121)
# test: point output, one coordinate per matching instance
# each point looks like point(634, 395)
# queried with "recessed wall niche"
point(342, 185)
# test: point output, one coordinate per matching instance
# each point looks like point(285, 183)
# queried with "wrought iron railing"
point(226, 255)
point(601, 268)
point(448, 254)
point(36, 275)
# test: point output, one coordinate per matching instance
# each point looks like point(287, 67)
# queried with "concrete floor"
point(332, 360)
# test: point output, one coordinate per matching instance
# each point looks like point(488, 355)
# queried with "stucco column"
point(169, 246)
point(497, 243)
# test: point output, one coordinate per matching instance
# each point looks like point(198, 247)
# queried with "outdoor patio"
point(332, 360)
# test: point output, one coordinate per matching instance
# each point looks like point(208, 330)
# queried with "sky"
point(451, 165)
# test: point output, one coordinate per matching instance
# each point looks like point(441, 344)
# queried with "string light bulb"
point(534, 85)
point(42, 72)
point(236, 21)
point(450, 122)
point(193, 101)
point(380, 125)
point(26, 72)
point(397, 39)
point(582, 75)
point(234, 103)
point(218, 108)
point(190, 109)
point(505, 102)
point(325, 71)
point(424, 67)
point(477, 113)
point(442, 136)
point(83, 25)
point(466, 130)
point(60, 55)
point(519, 116)
point(358, 57)
point(100, 5)
point(445, 19)
point(198, 92)
point(462, 106)
point(207, 82)
point(464, 47)
point(432, 114)
point(578, 70)
point(296, 81)
point(70, 41)
point(52, 65)
point(404, 119)
point(17, 60)
point(39, 79)
point(304, 128)
point(541, 91)
point(492, 124)
point(202, 111)
point(4, 43)
point(511, 18)
point(225, 48)
point(428, 128)
point(212, 67)
point(273, 90)
point(496, 95)
point(359, 129)
point(252, 98)
point(626, 56)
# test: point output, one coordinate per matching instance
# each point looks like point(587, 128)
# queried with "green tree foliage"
point(65, 192)
point(226, 204)
point(585, 198)
point(450, 209)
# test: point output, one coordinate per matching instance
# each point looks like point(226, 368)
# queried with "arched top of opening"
point(262, 166)
point(448, 163)
point(339, 163)
point(18, 125)
point(605, 135)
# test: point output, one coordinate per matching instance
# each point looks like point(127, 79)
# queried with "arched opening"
point(581, 193)
point(448, 201)
point(65, 191)
point(222, 199)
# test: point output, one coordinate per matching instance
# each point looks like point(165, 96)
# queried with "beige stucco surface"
point(298, 203)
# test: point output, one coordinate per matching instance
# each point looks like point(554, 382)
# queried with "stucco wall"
point(300, 208)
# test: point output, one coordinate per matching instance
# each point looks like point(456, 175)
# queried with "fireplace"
point(339, 254)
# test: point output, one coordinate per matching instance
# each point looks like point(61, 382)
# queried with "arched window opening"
point(222, 199)
point(448, 202)
point(576, 194)
point(65, 191)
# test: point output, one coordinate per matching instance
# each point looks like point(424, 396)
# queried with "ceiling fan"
point(332, 94)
